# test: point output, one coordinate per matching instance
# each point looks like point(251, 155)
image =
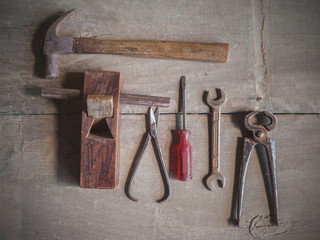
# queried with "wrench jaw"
point(221, 180)
point(218, 102)
point(209, 179)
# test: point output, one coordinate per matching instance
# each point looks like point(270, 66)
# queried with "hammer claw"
point(55, 44)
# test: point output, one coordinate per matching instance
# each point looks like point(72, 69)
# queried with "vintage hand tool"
point(259, 136)
point(151, 134)
point(181, 151)
point(125, 98)
point(55, 44)
point(214, 171)
point(100, 125)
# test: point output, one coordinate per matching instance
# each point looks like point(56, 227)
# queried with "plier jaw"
point(152, 121)
point(259, 136)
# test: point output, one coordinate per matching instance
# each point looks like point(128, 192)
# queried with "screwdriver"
point(181, 151)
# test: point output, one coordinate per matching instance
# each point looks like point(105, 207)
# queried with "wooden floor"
point(274, 66)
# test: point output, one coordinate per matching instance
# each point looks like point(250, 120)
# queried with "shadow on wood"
point(69, 133)
point(69, 130)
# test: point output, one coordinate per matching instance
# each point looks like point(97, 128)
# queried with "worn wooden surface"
point(274, 66)
point(42, 199)
point(100, 106)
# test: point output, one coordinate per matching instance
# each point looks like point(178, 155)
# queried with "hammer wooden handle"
point(145, 100)
point(212, 52)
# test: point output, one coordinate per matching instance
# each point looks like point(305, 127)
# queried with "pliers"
point(259, 136)
point(152, 119)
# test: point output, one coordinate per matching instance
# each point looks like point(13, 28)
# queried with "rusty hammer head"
point(55, 44)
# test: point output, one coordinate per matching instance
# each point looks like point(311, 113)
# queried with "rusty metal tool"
point(54, 44)
point(214, 130)
point(181, 151)
point(259, 136)
point(152, 119)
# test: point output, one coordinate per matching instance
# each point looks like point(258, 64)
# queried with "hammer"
point(55, 44)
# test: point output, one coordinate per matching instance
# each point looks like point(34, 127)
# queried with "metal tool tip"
point(152, 117)
point(70, 13)
point(183, 81)
point(164, 198)
point(276, 222)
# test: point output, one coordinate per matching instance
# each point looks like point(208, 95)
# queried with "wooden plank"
point(290, 52)
point(40, 195)
point(274, 62)
point(100, 136)
point(292, 55)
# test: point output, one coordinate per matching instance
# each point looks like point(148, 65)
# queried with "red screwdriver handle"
point(181, 156)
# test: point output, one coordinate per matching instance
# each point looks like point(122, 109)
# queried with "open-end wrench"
point(214, 171)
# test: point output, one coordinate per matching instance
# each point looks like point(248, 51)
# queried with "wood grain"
point(289, 65)
point(100, 149)
point(274, 66)
point(211, 52)
point(144, 100)
point(39, 189)
point(61, 93)
point(125, 98)
point(100, 106)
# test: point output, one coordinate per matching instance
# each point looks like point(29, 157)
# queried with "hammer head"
point(55, 44)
